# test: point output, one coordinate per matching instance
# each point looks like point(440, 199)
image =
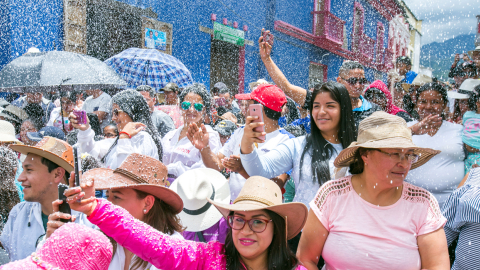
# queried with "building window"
point(317, 73)
point(357, 26)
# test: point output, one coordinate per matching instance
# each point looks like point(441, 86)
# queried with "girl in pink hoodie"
point(378, 93)
point(260, 226)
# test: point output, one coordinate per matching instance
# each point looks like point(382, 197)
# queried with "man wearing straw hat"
point(46, 165)
point(373, 219)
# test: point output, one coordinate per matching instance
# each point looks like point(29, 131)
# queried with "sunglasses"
point(186, 105)
point(116, 112)
point(354, 81)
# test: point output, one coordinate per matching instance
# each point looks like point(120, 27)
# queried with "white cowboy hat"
point(468, 86)
point(7, 132)
point(194, 187)
point(456, 95)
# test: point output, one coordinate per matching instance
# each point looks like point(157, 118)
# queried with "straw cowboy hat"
point(139, 172)
point(477, 50)
point(383, 130)
point(420, 80)
point(7, 132)
point(260, 193)
point(194, 187)
point(72, 246)
point(53, 149)
point(14, 113)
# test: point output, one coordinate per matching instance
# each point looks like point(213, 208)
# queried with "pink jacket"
point(159, 249)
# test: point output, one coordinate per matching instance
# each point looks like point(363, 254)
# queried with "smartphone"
point(64, 207)
point(267, 37)
point(81, 116)
point(461, 55)
point(220, 102)
point(76, 167)
point(257, 110)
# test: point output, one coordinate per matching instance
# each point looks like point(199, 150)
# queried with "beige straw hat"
point(260, 193)
point(138, 172)
point(383, 130)
point(420, 80)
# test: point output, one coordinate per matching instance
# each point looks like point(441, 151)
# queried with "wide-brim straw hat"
point(383, 130)
point(194, 187)
point(260, 193)
point(53, 149)
point(7, 133)
point(138, 172)
point(14, 113)
point(477, 49)
point(420, 80)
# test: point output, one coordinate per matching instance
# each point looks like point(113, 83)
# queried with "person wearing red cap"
point(273, 99)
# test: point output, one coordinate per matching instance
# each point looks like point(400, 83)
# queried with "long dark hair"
point(472, 99)
point(280, 257)
point(319, 148)
point(134, 104)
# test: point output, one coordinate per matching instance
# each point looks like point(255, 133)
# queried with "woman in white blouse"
point(178, 152)
point(136, 132)
point(442, 174)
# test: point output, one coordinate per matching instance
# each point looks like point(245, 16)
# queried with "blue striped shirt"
point(462, 210)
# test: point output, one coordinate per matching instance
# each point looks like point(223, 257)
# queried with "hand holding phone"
point(257, 110)
point(81, 116)
point(64, 207)
point(267, 37)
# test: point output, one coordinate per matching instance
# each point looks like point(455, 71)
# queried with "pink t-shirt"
point(366, 236)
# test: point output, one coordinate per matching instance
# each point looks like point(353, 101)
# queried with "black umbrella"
point(57, 71)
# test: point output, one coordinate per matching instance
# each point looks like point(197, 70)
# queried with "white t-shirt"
point(232, 147)
point(56, 120)
point(102, 104)
point(441, 174)
point(287, 156)
point(181, 156)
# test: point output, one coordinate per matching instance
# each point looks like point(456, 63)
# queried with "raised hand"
point(428, 124)
point(199, 137)
point(82, 198)
point(250, 136)
point(54, 219)
point(133, 128)
point(73, 119)
point(264, 47)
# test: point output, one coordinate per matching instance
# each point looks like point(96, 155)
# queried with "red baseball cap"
point(268, 95)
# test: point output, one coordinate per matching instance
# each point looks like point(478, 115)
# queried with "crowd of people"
point(350, 174)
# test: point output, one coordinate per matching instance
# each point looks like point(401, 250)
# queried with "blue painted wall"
point(27, 23)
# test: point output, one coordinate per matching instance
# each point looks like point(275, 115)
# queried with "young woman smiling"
point(256, 241)
point(311, 157)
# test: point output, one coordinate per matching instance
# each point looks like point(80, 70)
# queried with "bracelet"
point(123, 132)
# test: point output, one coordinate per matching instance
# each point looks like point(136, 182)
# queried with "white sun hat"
point(194, 187)
point(468, 86)
point(7, 132)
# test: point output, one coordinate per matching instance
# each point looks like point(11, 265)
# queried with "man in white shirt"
point(273, 99)
point(100, 104)
point(46, 165)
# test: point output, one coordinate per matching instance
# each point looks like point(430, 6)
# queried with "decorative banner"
point(228, 34)
point(155, 39)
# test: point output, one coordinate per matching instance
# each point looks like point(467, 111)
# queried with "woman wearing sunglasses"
point(137, 134)
point(260, 225)
point(178, 152)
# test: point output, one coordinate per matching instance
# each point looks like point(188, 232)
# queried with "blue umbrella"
point(149, 67)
